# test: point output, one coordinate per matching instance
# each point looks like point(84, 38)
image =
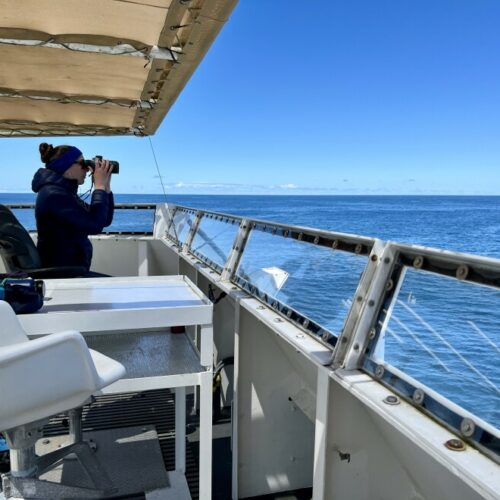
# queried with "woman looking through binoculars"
point(64, 221)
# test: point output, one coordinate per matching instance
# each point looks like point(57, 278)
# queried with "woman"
point(63, 220)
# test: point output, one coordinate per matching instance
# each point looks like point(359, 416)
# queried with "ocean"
point(444, 333)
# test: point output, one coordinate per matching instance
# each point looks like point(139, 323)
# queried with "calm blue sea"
point(444, 333)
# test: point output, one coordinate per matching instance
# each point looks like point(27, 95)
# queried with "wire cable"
point(172, 224)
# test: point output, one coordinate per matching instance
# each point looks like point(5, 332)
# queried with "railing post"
point(192, 232)
point(355, 336)
point(238, 247)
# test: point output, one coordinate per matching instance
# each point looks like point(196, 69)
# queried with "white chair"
point(40, 378)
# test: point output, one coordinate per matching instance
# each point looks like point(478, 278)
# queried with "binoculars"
point(91, 164)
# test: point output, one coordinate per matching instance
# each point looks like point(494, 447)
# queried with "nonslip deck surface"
point(156, 408)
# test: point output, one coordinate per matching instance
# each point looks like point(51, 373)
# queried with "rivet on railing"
point(418, 262)
point(418, 396)
point(462, 272)
point(467, 427)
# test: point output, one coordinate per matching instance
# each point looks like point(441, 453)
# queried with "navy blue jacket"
point(64, 221)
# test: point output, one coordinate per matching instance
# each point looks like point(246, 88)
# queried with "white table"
point(120, 317)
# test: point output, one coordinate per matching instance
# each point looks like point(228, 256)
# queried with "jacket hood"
point(45, 176)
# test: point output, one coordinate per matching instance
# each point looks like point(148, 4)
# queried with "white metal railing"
point(369, 314)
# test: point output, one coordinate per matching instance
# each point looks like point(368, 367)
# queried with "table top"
point(118, 304)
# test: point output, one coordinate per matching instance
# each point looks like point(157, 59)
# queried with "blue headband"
point(61, 164)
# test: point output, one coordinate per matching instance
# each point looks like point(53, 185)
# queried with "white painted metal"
point(237, 250)
point(163, 218)
point(206, 436)
point(392, 458)
point(235, 405)
point(180, 429)
point(320, 437)
point(395, 451)
point(119, 304)
point(357, 337)
point(207, 345)
point(143, 267)
point(189, 238)
point(274, 439)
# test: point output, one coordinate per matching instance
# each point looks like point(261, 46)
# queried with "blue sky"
point(324, 97)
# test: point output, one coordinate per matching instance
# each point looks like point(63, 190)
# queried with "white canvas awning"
point(99, 67)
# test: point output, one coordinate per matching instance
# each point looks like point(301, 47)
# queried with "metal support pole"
point(206, 435)
point(180, 429)
point(75, 425)
point(192, 232)
point(237, 251)
point(321, 433)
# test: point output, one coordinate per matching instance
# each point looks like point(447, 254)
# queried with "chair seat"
point(51, 374)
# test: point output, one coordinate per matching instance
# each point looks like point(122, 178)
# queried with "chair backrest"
point(17, 249)
point(11, 331)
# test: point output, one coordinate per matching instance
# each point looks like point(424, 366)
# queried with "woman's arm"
point(88, 219)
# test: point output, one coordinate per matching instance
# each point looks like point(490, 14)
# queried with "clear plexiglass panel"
point(316, 281)
point(214, 238)
point(445, 333)
point(132, 220)
point(179, 229)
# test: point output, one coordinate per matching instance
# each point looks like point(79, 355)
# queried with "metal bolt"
point(387, 260)
point(371, 302)
point(455, 445)
point(278, 320)
point(391, 400)
point(467, 427)
point(379, 371)
point(260, 308)
point(418, 396)
point(46, 441)
point(359, 298)
point(462, 272)
point(316, 240)
point(372, 333)
point(335, 244)
point(356, 347)
point(374, 258)
point(389, 285)
point(418, 262)
point(358, 248)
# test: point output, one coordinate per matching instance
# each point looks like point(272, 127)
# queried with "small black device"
point(25, 295)
point(91, 164)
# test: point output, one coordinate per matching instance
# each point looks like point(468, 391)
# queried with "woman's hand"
point(102, 175)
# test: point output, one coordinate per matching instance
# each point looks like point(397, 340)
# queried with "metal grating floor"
point(134, 409)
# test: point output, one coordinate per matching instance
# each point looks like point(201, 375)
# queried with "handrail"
point(373, 300)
